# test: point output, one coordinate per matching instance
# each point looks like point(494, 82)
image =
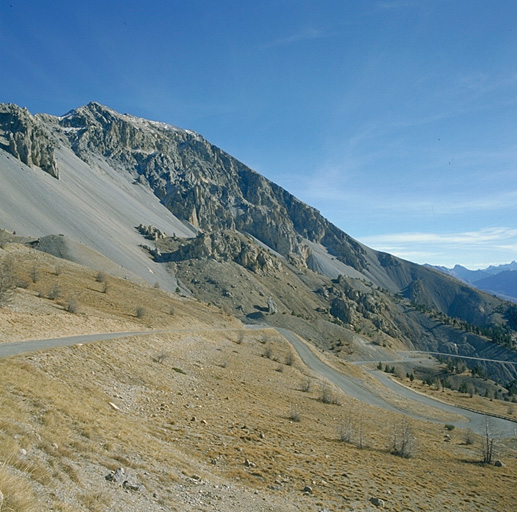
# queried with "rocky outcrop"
point(202, 184)
point(26, 138)
point(225, 246)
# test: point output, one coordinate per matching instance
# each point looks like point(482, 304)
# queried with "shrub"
point(346, 430)
point(71, 305)
point(34, 274)
point(268, 352)
point(403, 441)
point(306, 385)
point(101, 277)
point(295, 414)
point(468, 437)
point(55, 292)
point(140, 312)
point(161, 357)
point(328, 396)
point(6, 280)
point(450, 427)
point(488, 447)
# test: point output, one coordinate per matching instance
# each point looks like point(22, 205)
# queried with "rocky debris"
point(125, 480)
point(25, 137)
point(271, 306)
point(499, 464)
point(378, 502)
point(152, 232)
point(226, 246)
point(307, 489)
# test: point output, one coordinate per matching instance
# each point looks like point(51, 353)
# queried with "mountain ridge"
point(219, 219)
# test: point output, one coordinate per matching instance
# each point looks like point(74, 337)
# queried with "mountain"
point(499, 280)
point(503, 284)
point(162, 204)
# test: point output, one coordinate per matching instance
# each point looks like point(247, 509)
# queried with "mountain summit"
point(160, 203)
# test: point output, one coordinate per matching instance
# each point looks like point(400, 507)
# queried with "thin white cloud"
point(302, 35)
point(482, 236)
point(474, 249)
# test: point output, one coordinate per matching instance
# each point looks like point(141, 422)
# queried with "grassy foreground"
point(207, 415)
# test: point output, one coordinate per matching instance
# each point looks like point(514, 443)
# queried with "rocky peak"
point(26, 138)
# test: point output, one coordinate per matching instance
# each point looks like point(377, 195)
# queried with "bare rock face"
point(203, 185)
point(226, 246)
point(25, 137)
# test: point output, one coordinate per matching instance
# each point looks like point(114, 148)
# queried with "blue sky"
point(395, 118)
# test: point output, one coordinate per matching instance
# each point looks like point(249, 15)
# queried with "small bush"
point(71, 305)
point(22, 283)
point(403, 441)
point(34, 274)
point(268, 352)
point(306, 385)
point(101, 277)
point(295, 414)
point(140, 312)
point(6, 280)
point(161, 357)
point(488, 446)
point(450, 427)
point(468, 437)
point(55, 292)
point(289, 360)
point(328, 396)
point(346, 430)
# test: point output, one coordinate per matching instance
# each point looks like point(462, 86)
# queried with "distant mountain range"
point(150, 201)
point(500, 280)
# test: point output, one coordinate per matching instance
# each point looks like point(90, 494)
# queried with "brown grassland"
point(204, 413)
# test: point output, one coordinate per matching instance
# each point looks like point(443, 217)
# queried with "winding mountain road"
point(355, 388)
point(21, 347)
point(350, 385)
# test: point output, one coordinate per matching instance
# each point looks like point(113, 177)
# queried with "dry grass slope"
point(199, 416)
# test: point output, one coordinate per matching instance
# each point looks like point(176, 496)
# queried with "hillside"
point(498, 280)
point(163, 204)
point(202, 414)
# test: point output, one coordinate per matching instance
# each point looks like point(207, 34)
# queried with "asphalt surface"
point(21, 347)
point(353, 387)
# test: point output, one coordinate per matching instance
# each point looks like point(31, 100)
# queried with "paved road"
point(355, 388)
point(458, 356)
point(21, 347)
point(350, 385)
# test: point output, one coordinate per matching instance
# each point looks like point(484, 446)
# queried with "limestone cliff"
point(202, 184)
point(25, 137)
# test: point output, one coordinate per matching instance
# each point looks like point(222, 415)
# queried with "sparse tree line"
point(455, 368)
point(502, 335)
